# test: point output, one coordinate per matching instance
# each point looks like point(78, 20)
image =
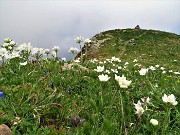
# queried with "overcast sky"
point(46, 23)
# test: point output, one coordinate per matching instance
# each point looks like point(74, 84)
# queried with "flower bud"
point(7, 40)
point(154, 122)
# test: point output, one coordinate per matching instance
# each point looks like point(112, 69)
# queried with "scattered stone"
point(5, 130)
point(71, 65)
point(131, 40)
point(67, 66)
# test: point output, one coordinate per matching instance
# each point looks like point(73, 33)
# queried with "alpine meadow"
point(122, 81)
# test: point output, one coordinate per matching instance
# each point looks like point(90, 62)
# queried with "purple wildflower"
point(76, 121)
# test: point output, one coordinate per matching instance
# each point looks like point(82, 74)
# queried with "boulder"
point(5, 130)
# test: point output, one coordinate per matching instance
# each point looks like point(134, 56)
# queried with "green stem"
point(122, 111)
point(80, 50)
point(166, 121)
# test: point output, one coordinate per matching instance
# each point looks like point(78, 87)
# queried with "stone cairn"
point(137, 27)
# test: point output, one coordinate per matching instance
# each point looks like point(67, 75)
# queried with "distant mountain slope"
point(147, 46)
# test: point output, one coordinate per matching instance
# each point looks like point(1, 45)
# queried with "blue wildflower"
point(51, 85)
point(1, 94)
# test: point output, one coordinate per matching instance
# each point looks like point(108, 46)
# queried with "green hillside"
point(147, 46)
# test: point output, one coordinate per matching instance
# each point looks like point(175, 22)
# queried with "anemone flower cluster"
point(9, 44)
point(115, 59)
point(25, 51)
point(152, 68)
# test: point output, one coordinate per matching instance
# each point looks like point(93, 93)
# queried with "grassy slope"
point(148, 47)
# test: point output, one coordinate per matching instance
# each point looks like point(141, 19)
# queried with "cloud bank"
point(47, 23)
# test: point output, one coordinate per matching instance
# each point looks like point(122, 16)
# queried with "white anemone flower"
point(14, 54)
point(25, 47)
point(177, 73)
point(7, 40)
point(3, 52)
point(94, 60)
point(107, 71)
point(143, 71)
point(63, 59)
point(162, 68)
point(5, 45)
point(115, 59)
point(152, 68)
point(135, 60)
point(103, 78)
point(169, 99)
point(79, 39)
point(73, 50)
point(46, 51)
point(54, 54)
point(157, 65)
point(87, 41)
point(154, 122)
point(77, 60)
point(170, 71)
point(123, 83)
point(114, 70)
point(146, 100)
point(99, 69)
point(55, 48)
point(34, 50)
point(100, 62)
point(13, 43)
point(23, 63)
point(139, 109)
point(163, 72)
point(126, 63)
